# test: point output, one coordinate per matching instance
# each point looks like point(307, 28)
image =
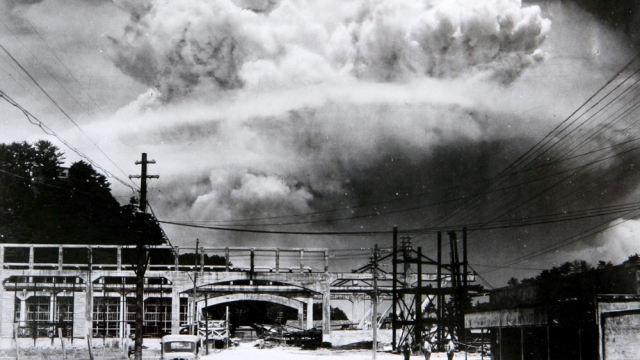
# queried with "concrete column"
point(7, 307)
point(31, 257)
point(277, 260)
point(9, 301)
point(3, 319)
point(310, 313)
point(51, 304)
point(175, 311)
point(88, 311)
point(326, 314)
point(23, 311)
point(60, 259)
point(79, 307)
point(123, 314)
point(119, 258)
point(353, 307)
point(300, 316)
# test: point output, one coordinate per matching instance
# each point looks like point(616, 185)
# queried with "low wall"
point(346, 337)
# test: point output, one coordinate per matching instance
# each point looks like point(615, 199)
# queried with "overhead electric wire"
point(47, 130)
point(57, 58)
point(600, 130)
point(557, 183)
point(531, 151)
point(539, 145)
point(375, 204)
point(25, 79)
point(321, 233)
point(547, 219)
point(617, 154)
point(565, 242)
point(60, 108)
point(42, 65)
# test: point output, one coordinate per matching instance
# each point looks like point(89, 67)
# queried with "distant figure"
point(406, 350)
point(426, 349)
point(131, 345)
point(450, 348)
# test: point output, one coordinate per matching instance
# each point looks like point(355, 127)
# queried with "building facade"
point(593, 315)
point(83, 292)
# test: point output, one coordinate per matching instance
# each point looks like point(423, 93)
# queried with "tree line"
point(42, 202)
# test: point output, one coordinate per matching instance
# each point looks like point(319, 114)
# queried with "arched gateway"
point(281, 300)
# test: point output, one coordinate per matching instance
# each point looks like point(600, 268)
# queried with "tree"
point(39, 205)
point(513, 282)
point(28, 173)
point(604, 265)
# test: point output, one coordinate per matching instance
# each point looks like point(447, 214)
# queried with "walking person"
point(406, 350)
point(426, 349)
point(450, 348)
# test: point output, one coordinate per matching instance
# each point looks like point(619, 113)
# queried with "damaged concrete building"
point(591, 315)
point(83, 292)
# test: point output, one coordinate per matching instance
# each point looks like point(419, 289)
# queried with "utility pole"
point(394, 300)
point(206, 324)
point(374, 305)
point(226, 325)
point(141, 266)
point(192, 328)
point(280, 313)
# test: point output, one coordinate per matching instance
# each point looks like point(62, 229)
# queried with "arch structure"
point(285, 301)
point(281, 300)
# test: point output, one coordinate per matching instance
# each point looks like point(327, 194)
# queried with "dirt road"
point(247, 352)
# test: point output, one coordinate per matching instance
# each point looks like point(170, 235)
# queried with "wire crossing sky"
point(282, 120)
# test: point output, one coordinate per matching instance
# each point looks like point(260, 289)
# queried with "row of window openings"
point(104, 309)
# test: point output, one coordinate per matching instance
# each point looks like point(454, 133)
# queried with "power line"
point(47, 130)
point(560, 244)
point(528, 156)
point(58, 106)
point(320, 233)
point(56, 56)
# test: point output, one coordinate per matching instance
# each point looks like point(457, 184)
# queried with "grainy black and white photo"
point(336, 179)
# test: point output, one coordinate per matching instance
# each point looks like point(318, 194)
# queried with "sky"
point(341, 116)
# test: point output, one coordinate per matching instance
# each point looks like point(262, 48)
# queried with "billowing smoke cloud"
point(222, 45)
point(614, 244)
point(271, 108)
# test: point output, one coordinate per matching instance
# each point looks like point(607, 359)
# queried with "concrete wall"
point(346, 337)
point(7, 315)
point(79, 315)
point(618, 319)
point(505, 318)
point(621, 336)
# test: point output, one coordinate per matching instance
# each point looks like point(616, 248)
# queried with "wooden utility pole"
point(374, 301)
point(194, 321)
point(141, 266)
point(226, 325)
point(394, 299)
point(418, 301)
